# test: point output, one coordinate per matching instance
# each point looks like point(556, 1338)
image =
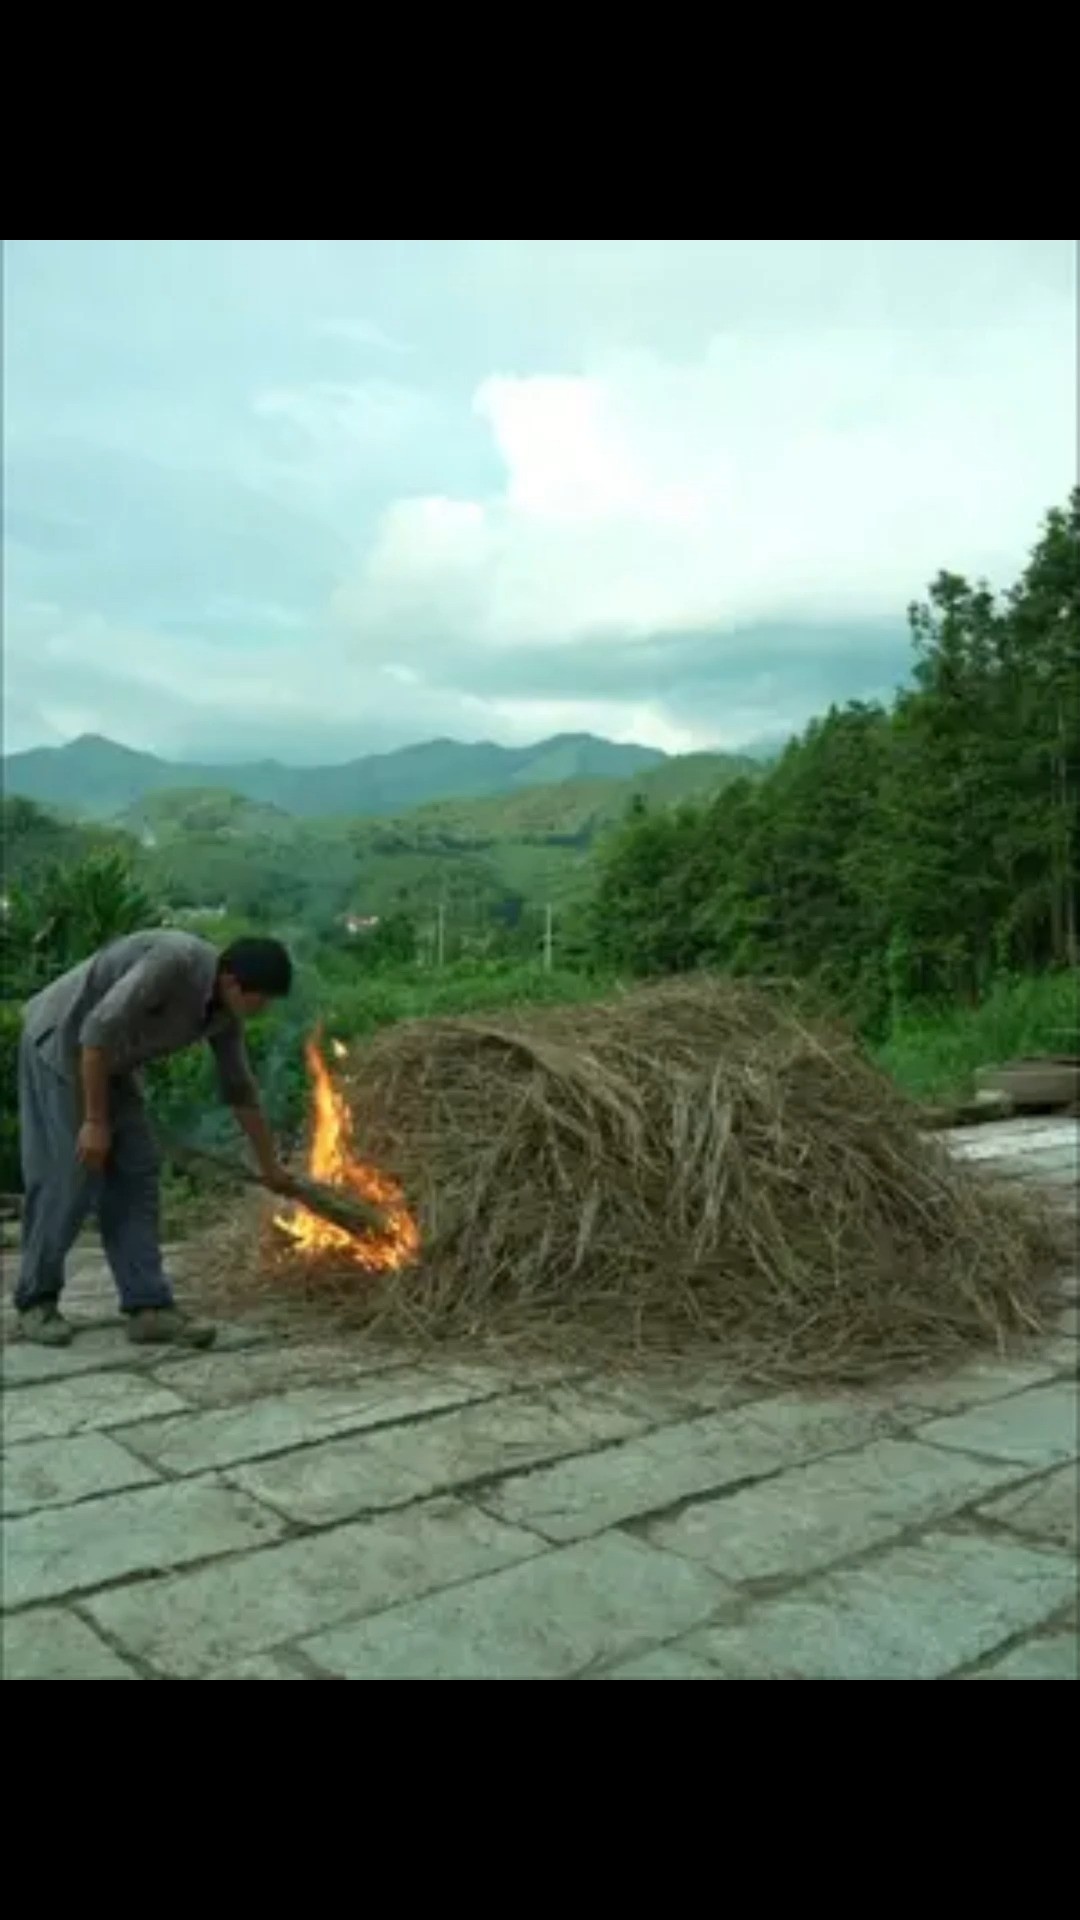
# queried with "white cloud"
point(825, 475)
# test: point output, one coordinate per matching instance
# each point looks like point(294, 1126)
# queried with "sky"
point(319, 498)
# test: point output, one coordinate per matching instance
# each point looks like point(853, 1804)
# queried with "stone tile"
point(830, 1510)
point(336, 1480)
point(551, 1618)
point(219, 1379)
point(1055, 1657)
point(51, 1644)
point(1038, 1427)
point(343, 1478)
point(201, 1622)
point(81, 1405)
point(53, 1473)
point(262, 1666)
point(970, 1386)
point(499, 1436)
point(664, 1663)
point(61, 1550)
point(643, 1476)
point(96, 1350)
point(1046, 1509)
point(225, 1437)
point(918, 1612)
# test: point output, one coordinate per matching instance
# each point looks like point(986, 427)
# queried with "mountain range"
point(100, 780)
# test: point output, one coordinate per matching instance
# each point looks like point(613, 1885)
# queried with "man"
point(85, 1138)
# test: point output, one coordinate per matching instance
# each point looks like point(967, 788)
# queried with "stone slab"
point(811, 1516)
point(51, 1644)
point(54, 1473)
point(96, 1350)
point(550, 1619)
point(262, 1666)
point(970, 1386)
point(331, 1481)
point(1055, 1657)
point(1045, 1509)
point(196, 1442)
point(917, 1612)
point(643, 1476)
point(1038, 1428)
point(193, 1624)
point(664, 1663)
point(343, 1478)
point(62, 1550)
point(219, 1379)
point(82, 1405)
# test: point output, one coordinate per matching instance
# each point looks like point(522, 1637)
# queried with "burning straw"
point(693, 1162)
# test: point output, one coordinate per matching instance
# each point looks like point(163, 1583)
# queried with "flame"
point(331, 1161)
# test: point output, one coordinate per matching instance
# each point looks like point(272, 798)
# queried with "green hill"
point(98, 779)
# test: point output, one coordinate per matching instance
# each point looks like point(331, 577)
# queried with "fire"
point(332, 1162)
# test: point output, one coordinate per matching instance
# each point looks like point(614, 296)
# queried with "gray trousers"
point(59, 1194)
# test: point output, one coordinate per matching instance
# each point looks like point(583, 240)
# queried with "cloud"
point(680, 491)
point(818, 478)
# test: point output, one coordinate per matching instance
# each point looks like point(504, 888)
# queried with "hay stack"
point(690, 1161)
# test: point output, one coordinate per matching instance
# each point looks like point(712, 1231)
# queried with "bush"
point(10, 1031)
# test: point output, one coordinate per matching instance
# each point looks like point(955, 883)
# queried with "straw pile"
point(690, 1162)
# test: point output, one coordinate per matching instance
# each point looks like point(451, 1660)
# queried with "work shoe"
point(45, 1325)
point(168, 1327)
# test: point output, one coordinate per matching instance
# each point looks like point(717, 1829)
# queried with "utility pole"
point(547, 938)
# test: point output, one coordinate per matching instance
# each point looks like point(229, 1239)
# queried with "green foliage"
point(894, 859)
point(65, 913)
point(935, 1054)
point(10, 1030)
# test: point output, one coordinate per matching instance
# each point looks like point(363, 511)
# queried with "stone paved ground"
point(305, 1511)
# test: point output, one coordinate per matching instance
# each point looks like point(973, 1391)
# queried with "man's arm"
point(239, 1091)
point(95, 1133)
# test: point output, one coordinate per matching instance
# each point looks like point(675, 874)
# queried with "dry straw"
point(691, 1163)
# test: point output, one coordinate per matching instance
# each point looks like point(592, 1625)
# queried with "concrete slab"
point(66, 1550)
point(917, 1612)
point(1046, 1509)
point(52, 1644)
point(193, 1624)
point(196, 1442)
point(54, 1473)
point(549, 1619)
point(812, 1516)
point(82, 1405)
point(642, 1477)
point(1038, 1428)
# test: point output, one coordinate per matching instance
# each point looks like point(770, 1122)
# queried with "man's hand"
point(94, 1144)
point(278, 1179)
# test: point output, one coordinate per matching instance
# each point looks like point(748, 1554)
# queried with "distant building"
point(356, 923)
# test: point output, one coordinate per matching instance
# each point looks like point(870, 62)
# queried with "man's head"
point(252, 972)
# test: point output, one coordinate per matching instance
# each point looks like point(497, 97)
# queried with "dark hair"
point(258, 966)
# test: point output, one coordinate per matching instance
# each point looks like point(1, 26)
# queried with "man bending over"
point(85, 1138)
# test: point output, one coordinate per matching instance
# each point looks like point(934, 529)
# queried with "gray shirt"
point(145, 996)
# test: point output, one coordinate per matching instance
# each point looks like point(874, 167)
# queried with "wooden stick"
point(346, 1211)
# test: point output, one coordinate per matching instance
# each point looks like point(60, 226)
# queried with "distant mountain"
point(98, 779)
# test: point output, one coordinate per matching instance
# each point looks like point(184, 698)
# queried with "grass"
point(934, 1055)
